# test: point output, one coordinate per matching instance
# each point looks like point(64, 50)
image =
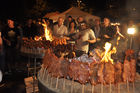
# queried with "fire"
point(37, 38)
point(108, 52)
point(47, 34)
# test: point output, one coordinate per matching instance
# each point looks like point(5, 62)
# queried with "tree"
point(39, 8)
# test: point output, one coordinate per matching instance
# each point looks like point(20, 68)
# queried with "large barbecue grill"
point(59, 75)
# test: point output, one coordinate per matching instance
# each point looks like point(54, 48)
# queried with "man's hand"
point(67, 38)
point(91, 41)
point(106, 36)
point(98, 39)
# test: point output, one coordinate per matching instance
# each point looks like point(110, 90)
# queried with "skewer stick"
point(133, 87)
point(83, 87)
point(92, 88)
point(101, 87)
point(64, 84)
point(72, 85)
point(44, 73)
point(118, 87)
point(47, 77)
point(51, 81)
point(110, 88)
point(56, 82)
point(128, 86)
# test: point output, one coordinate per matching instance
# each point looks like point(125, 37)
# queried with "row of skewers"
point(93, 73)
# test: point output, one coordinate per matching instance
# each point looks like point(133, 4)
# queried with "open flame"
point(47, 34)
point(108, 52)
point(37, 38)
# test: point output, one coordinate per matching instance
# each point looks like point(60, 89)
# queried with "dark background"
point(111, 8)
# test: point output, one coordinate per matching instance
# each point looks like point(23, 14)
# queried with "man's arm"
point(92, 41)
point(92, 38)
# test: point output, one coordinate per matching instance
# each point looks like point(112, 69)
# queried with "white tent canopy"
point(75, 13)
point(51, 14)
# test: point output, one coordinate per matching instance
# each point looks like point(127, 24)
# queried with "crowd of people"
point(86, 36)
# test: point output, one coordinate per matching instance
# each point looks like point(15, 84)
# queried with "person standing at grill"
point(83, 38)
point(60, 30)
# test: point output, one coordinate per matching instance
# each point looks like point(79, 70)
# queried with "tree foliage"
point(39, 8)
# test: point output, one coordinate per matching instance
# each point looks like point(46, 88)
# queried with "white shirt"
point(60, 31)
point(82, 37)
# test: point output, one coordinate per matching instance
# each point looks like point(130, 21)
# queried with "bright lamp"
point(131, 31)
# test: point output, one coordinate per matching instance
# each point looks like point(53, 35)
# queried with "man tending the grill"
point(83, 38)
point(60, 30)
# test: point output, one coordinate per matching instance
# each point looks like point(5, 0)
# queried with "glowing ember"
point(37, 38)
point(107, 54)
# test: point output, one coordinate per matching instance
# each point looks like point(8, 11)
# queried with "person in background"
point(10, 36)
point(60, 30)
point(80, 19)
point(72, 28)
point(49, 24)
point(97, 27)
point(107, 32)
point(39, 28)
point(68, 20)
point(83, 38)
point(30, 29)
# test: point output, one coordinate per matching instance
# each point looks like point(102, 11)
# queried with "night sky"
point(18, 8)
